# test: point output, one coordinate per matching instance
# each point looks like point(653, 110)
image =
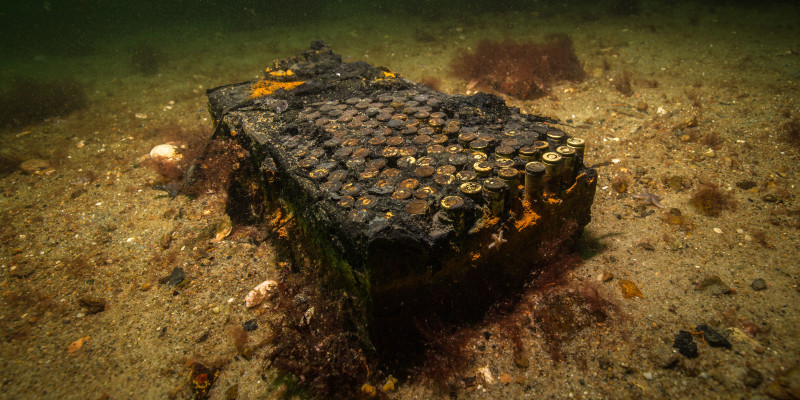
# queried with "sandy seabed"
point(711, 94)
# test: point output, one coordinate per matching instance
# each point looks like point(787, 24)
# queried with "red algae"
point(521, 69)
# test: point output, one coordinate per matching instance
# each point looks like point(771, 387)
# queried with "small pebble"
point(685, 344)
point(664, 357)
point(165, 152)
point(250, 325)
point(34, 165)
point(715, 285)
point(717, 230)
point(176, 277)
point(752, 378)
point(93, 305)
point(758, 284)
point(648, 375)
point(712, 337)
point(605, 276)
point(746, 185)
point(786, 385)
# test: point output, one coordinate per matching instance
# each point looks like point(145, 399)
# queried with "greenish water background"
point(84, 38)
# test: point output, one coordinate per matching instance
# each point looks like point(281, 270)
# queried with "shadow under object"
point(419, 204)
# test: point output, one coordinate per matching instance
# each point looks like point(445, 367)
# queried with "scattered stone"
point(176, 277)
point(250, 325)
point(605, 276)
point(368, 390)
point(758, 284)
point(93, 305)
point(34, 165)
point(486, 375)
point(676, 182)
point(224, 229)
point(752, 378)
point(712, 337)
point(505, 378)
point(771, 198)
point(232, 393)
point(715, 285)
point(641, 106)
point(166, 240)
point(260, 293)
point(165, 152)
point(648, 375)
point(685, 344)
point(145, 286)
point(388, 387)
point(786, 386)
point(664, 357)
point(521, 360)
point(745, 185)
point(23, 270)
point(647, 246)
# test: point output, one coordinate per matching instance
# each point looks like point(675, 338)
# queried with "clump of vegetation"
point(146, 59)
point(431, 82)
point(190, 141)
point(712, 140)
point(710, 201)
point(28, 101)
point(790, 131)
point(523, 70)
point(623, 83)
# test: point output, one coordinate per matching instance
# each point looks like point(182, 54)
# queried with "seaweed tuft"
point(710, 201)
point(29, 101)
point(525, 70)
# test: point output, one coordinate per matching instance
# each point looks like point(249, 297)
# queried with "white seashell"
point(165, 152)
point(260, 293)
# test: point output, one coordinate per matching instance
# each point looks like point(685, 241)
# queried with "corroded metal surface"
point(421, 200)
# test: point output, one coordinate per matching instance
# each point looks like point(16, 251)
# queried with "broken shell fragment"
point(260, 293)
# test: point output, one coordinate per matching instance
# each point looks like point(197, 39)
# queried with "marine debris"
point(398, 188)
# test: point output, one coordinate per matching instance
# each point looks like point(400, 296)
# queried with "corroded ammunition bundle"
point(534, 180)
point(401, 188)
point(553, 163)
